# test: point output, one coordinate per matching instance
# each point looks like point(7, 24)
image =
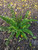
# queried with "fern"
point(17, 26)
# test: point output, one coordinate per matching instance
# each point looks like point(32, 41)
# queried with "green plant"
point(17, 26)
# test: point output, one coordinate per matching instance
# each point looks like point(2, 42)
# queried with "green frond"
point(13, 13)
point(20, 17)
point(3, 28)
point(34, 37)
point(24, 21)
point(8, 20)
point(27, 13)
point(24, 35)
point(25, 26)
point(17, 34)
point(27, 20)
point(10, 37)
point(12, 28)
point(30, 20)
point(28, 32)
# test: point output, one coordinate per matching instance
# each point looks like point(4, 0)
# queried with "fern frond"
point(30, 20)
point(27, 13)
point(3, 28)
point(25, 26)
point(8, 20)
point(10, 37)
point(27, 20)
point(17, 34)
point(13, 13)
point(24, 35)
point(13, 28)
point(28, 32)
